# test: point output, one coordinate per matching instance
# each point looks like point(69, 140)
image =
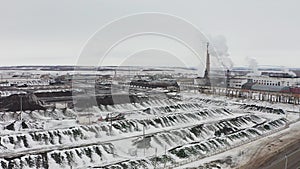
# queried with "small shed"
point(86, 118)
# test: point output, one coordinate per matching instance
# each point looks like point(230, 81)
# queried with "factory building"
point(237, 82)
point(285, 82)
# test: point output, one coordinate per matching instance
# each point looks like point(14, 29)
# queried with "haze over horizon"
point(52, 33)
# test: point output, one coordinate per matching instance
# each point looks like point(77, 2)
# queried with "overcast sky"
point(53, 32)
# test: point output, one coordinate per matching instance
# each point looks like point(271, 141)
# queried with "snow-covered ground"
point(241, 155)
point(154, 134)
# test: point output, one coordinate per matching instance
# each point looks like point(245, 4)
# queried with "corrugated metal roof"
point(267, 87)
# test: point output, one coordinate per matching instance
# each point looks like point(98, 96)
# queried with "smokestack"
point(207, 70)
point(227, 78)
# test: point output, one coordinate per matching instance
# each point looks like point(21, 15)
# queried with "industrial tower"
point(207, 69)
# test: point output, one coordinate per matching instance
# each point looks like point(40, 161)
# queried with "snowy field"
point(200, 130)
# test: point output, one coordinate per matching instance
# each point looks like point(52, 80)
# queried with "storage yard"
point(138, 124)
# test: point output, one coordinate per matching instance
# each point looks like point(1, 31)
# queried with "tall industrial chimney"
point(207, 69)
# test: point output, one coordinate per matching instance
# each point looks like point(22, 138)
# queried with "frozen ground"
point(200, 130)
point(251, 154)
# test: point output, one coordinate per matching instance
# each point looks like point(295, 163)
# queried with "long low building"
point(285, 82)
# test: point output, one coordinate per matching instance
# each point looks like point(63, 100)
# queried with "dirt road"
point(271, 153)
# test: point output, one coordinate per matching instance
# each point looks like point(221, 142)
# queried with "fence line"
point(270, 96)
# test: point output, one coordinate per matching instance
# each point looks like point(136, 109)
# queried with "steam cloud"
point(253, 65)
point(219, 43)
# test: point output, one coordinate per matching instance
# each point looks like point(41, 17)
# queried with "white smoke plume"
point(253, 65)
point(287, 70)
point(219, 44)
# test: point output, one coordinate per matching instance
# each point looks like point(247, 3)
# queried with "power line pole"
point(299, 114)
point(165, 159)
point(144, 140)
point(155, 158)
point(110, 127)
point(286, 161)
point(21, 108)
